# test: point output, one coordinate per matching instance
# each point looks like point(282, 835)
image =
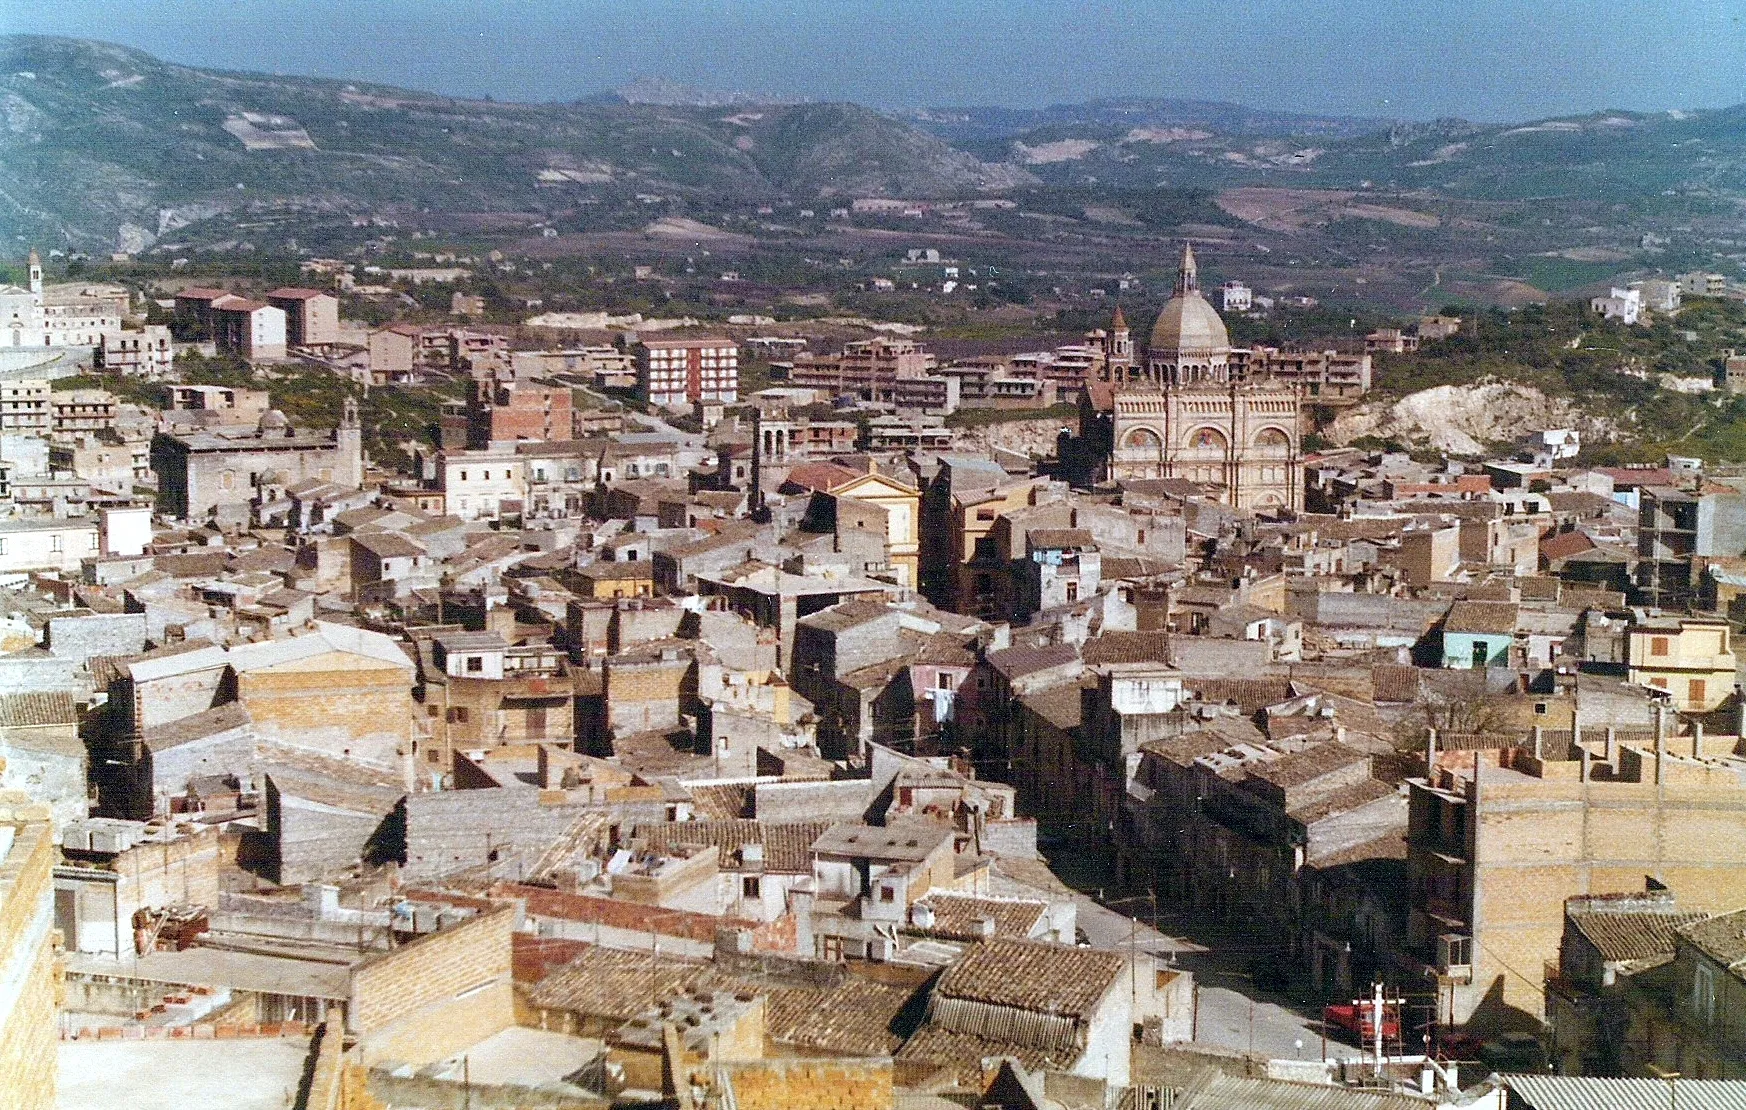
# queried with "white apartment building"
point(1237, 297)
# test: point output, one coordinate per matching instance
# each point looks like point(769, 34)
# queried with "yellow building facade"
point(901, 504)
point(1692, 658)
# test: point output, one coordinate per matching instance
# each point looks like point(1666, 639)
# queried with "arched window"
point(1142, 439)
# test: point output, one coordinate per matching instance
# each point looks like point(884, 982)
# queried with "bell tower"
point(36, 275)
point(1120, 350)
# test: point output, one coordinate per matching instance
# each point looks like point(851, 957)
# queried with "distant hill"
point(1604, 156)
point(104, 144)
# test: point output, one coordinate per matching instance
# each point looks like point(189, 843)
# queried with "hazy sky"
point(1482, 59)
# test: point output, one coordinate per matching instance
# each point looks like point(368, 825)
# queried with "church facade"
point(1188, 414)
point(59, 315)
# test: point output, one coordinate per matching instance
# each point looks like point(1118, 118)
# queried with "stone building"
point(29, 967)
point(1497, 841)
point(226, 470)
point(1191, 416)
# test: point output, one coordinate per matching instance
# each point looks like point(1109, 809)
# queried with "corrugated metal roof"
point(1217, 1091)
point(1568, 1092)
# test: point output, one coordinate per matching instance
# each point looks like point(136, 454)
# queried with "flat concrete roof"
point(244, 1074)
point(218, 967)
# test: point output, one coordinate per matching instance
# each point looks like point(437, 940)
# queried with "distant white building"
point(1699, 284)
point(1623, 305)
point(1659, 294)
point(1237, 296)
point(1556, 444)
point(61, 316)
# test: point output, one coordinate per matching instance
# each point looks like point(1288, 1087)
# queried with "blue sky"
point(1482, 59)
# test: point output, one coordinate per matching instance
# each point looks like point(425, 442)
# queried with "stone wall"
point(97, 634)
point(439, 994)
point(812, 801)
point(367, 710)
point(29, 970)
point(811, 1083)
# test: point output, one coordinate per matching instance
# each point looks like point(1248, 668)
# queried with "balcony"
point(1455, 958)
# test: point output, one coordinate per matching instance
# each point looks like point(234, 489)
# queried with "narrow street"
point(1231, 1012)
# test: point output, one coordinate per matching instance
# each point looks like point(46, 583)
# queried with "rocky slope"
point(1465, 420)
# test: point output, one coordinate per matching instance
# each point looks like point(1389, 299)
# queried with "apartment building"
point(252, 329)
point(145, 353)
point(311, 316)
point(1497, 841)
point(677, 373)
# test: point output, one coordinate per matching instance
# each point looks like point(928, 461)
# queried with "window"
point(463, 475)
point(457, 714)
point(475, 664)
point(1072, 591)
point(1540, 708)
point(943, 681)
point(749, 887)
point(887, 894)
point(1703, 994)
point(1695, 694)
point(1658, 645)
point(57, 542)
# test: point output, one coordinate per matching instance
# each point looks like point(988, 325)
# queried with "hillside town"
point(724, 715)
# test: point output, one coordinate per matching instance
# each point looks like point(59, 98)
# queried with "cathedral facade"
point(1186, 414)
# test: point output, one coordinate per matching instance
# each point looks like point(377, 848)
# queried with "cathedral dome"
point(1189, 323)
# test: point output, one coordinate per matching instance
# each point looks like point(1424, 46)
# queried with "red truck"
point(1358, 1018)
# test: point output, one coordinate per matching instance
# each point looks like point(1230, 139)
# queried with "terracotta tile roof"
point(959, 916)
point(1564, 545)
point(817, 476)
point(856, 1017)
point(1061, 706)
point(1722, 938)
point(1490, 618)
point(1047, 539)
point(1643, 938)
point(1016, 662)
point(1184, 750)
point(1033, 975)
point(1395, 682)
point(1127, 647)
point(38, 710)
point(787, 845)
point(545, 902)
point(722, 801)
point(1343, 800)
point(1298, 768)
point(616, 985)
point(961, 1054)
point(1251, 695)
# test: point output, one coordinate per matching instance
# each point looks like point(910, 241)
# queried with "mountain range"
point(104, 146)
